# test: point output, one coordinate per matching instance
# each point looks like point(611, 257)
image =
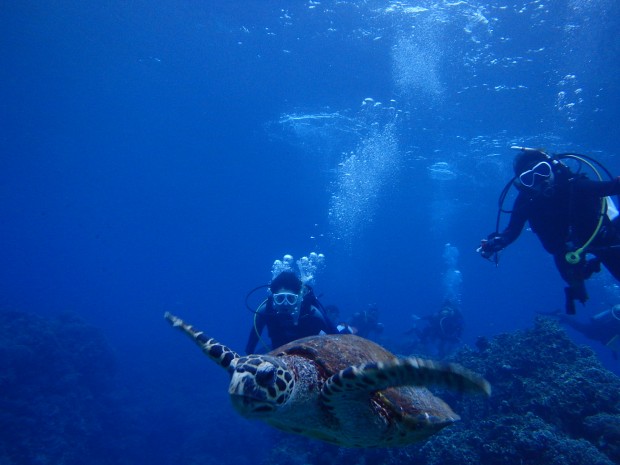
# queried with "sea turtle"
point(342, 389)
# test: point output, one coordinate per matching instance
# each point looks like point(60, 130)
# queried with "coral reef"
point(55, 378)
point(552, 403)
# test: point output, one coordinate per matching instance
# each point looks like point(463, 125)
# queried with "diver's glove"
point(490, 246)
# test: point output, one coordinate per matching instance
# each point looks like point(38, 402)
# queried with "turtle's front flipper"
point(219, 353)
point(376, 376)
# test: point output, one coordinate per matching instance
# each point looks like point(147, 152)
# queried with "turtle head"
point(260, 385)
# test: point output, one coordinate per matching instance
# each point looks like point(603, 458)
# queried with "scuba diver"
point(365, 322)
point(573, 217)
point(291, 311)
point(333, 313)
point(442, 329)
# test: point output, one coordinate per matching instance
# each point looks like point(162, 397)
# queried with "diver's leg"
point(573, 275)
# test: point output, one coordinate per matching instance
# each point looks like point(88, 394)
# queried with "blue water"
point(159, 156)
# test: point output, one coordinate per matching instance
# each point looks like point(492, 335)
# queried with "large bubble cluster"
point(415, 63)
point(360, 179)
point(452, 278)
point(307, 266)
point(280, 266)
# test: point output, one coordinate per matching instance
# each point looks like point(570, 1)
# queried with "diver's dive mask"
point(286, 303)
point(289, 298)
point(542, 171)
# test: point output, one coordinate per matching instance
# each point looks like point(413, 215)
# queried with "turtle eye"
point(265, 375)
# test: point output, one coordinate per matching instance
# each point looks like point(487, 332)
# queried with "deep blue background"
point(146, 162)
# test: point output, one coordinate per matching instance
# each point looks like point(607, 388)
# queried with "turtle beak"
point(248, 398)
point(251, 408)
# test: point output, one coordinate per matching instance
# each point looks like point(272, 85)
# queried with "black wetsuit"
point(282, 329)
point(442, 330)
point(564, 219)
point(365, 324)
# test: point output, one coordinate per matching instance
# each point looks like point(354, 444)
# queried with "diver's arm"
point(518, 217)
point(497, 241)
point(252, 341)
point(599, 188)
point(258, 324)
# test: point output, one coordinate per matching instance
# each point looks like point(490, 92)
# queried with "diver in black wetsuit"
point(290, 312)
point(441, 330)
point(569, 214)
point(366, 322)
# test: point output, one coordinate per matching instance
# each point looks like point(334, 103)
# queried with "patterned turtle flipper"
point(376, 376)
point(219, 353)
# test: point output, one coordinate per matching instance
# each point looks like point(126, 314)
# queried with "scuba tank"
point(608, 316)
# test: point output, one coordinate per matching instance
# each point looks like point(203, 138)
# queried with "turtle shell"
point(335, 352)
